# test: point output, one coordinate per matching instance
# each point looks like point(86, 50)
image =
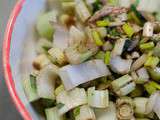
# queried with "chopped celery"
point(44, 28)
point(100, 55)
point(107, 57)
point(152, 62)
point(102, 23)
point(154, 84)
point(150, 88)
point(98, 98)
point(84, 113)
point(52, 114)
point(97, 38)
point(31, 88)
point(128, 29)
point(120, 82)
point(147, 46)
point(154, 73)
point(59, 89)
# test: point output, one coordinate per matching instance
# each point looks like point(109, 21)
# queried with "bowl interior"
point(22, 49)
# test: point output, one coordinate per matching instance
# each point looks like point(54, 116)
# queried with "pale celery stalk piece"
point(120, 82)
point(46, 81)
point(139, 62)
point(107, 113)
point(77, 36)
point(71, 99)
point(98, 98)
point(57, 55)
point(127, 28)
point(84, 113)
point(52, 114)
point(102, 31)
point(152, 62)
point(156, 107)
point(74, 75)
point(118, 48)
point(119, 65)
point(44, 28)
point(82, 10)
point(30, 89)
point(41, 61)
point(143, 76)
point(148, 29)
point(140, 105)
point(126, 89)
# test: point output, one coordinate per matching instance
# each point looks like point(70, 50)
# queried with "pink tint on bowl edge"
point(6, 61)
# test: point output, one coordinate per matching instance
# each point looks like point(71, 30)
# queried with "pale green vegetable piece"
point(44, 28)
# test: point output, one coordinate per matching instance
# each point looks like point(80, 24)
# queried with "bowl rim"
point(6, 61)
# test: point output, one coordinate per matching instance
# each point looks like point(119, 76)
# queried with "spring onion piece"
point(155, 85)
point(57, 55)
point(156, 50)
point(74, 75)
point(119, 65)
point(97, 38)
point(135, 55)
point(107, 113)
point(68, 100)
point(43, 45)
point(139, 62)
point(52, 114)
point(102, 23)
point(44, 28)
point(46, 81)
point(118, 48)
point(84, 113)
point(147, 46)
point(41, 61)
point(102, 31)
point(128, 29)
point(152, 62)
point(140, 105)
point(143, 76)
point(156, 108)
point(67, 20)
point(68, 6)
point(82, 10)
point(59, 89)
point(107, 57)
point(124, 108)
point(150, 88)
point(148, 29)
point(30, 88)
point(98, 98)
point(137, 92)
point(154, 73)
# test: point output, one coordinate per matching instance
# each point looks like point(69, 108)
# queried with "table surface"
point(7, 108)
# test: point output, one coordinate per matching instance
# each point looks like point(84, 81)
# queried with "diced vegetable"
point(119, 65)
point(140, 105)
point(30, 88)
point(124, 108)
point(128, 29)
point(143, 76)
point(68, 6)
point(52, 114)
point(74, 75)
point(102, 31)
point(107, 113)
point(150, 88)
point(148, 29)
point(59, 89)
point(154, 73)
point(41, 61)
point(107, 46)
point(118, 48)
point(84, 113)
point(102, 23)
point(82, 10)
point(152, 62)
point(139, 62)
point(100, 55)
point(147, 46)
point(107, 57)
point(137, 92)
point(97, 38)
point(68, 100)
point(46, 81)
point(120, 82)
point(57, 55)
point(44, 28)
point(98, 98)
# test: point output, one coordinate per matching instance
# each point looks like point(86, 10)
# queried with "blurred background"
point(7, 108)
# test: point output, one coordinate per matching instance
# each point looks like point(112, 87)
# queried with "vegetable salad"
point(97, 60)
